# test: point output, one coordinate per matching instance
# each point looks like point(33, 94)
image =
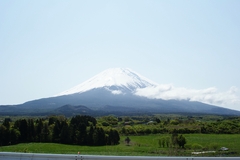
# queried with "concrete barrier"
point(39, 156)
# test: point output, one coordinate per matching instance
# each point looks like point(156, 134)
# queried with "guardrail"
point(38, 156)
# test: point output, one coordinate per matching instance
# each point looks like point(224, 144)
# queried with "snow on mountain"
point(116, 80)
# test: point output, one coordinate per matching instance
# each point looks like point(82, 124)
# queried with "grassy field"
point(139, 146)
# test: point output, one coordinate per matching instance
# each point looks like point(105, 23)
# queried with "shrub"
point(197, 147)
point(188, 146)
point(213, 146)
point(105, 123)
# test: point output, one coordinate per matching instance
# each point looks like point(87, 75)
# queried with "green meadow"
point(141, 146)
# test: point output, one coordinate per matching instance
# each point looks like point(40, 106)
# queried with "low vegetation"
point(168, 135)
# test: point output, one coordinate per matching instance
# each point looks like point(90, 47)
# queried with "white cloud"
point(210, 95)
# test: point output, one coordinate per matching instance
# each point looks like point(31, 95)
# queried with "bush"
point(214, 146)
point(105, 124)
point(197, 147)
point(188, 146)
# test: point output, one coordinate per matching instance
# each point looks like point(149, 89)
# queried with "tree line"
point(86, 130)
point(187, 126)
point(79, 130)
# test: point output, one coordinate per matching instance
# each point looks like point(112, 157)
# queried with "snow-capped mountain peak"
point(116, 80)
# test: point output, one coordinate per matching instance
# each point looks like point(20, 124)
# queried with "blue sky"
point(47, 47)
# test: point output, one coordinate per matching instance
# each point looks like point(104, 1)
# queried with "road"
point(38, 156)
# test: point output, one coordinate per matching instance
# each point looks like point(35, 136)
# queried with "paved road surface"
point(37, 156)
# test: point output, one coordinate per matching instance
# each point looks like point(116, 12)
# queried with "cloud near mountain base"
point(210, 95)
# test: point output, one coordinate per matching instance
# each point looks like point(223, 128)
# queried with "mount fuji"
point(114, 80)
point(113, 91)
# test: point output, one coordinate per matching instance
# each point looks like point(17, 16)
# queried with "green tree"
point(90, 136)
point(81, 133)
point(181, 140)
point(45, 133)
point(56, 131)
point(167, 142)
point(23, 128)
point(3, 133)
point(174, 138)
point(113, 137)
point(14, 136)
point(99, 137)
point(6, 123)
point(127, 140)
point(39, 130)
point(65, 135)
point(31, 130)
point(158, 120)
point(7, 136)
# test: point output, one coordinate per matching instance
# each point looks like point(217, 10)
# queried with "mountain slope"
point(113, 92)
point(102, 101)
point(69, 110)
